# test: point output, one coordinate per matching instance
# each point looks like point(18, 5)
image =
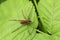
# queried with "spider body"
point(25, 21)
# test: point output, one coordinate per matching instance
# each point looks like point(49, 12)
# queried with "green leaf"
point(42, 36)
point(12, 10)
point(56, 36)
point(49, 13)
point(15, 9)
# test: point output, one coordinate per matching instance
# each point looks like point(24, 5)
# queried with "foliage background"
point(49, 14)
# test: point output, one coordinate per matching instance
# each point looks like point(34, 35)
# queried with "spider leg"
point(17, 29)
point(31, 35)
point(28, 28)
point(30, 13)
point(18, 33)
point(23, 15)
point(15, 20)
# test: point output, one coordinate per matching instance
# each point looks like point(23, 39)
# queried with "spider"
point(27, 21)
